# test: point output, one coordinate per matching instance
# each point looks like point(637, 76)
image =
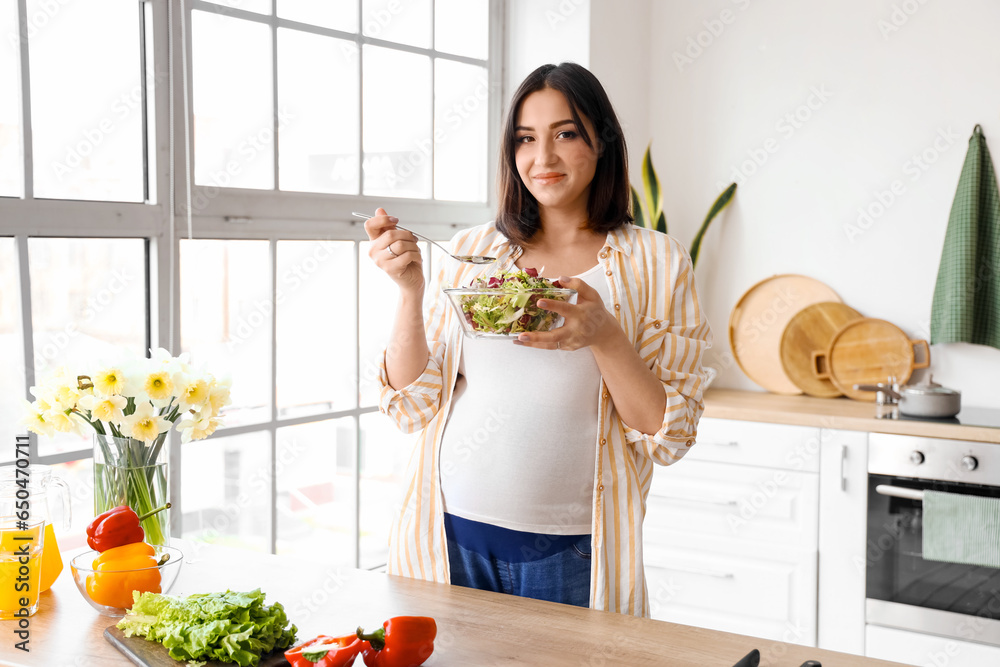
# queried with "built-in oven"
point(904, 589)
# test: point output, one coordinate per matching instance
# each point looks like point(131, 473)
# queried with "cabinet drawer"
point(759, 444)
point(738, 502)
point(764, 594)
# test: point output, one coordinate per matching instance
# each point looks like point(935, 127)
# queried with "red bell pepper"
point(324, 651)
point(116, 527)
point(403, 641)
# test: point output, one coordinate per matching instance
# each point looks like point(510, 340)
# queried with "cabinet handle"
point(703, 501)
point(843, 467)
point(706, 573)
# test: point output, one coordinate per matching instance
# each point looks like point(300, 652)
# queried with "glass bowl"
point(118, 580)
point(494, 312)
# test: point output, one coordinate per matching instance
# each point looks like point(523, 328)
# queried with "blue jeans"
point(532, 565)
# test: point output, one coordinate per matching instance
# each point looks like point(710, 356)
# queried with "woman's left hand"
point(585, 324)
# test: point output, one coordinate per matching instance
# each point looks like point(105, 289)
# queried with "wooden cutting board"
point(151, 654)
point(759, 319)
point(867, 351)
point(809, 330)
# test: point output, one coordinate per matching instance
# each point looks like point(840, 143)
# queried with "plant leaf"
point(637, 216)
point(651, 184)
point(720, 203)
point(661, 223)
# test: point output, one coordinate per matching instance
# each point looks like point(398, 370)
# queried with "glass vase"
point(134, 473)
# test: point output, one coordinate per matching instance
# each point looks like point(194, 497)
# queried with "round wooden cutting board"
point(811, 329)
point(758, 321)
point(867, 351)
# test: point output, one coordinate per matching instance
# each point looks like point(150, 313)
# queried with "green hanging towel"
point(966, 307)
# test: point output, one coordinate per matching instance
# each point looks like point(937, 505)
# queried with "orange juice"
point(20, 569)
point(52, 563)
point(10, 597)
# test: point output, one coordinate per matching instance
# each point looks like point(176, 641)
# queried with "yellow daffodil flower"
point(196, 427)
point(35, 419)
point(105, 408)
point(60, 421)
point(159, 386)
point(218, 395)
point(143, 424)
point(193, 394)
point(109, 382)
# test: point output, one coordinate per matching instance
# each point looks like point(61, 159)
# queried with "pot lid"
point(930, 387)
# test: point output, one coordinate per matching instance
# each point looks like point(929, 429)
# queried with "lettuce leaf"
point(228, 627)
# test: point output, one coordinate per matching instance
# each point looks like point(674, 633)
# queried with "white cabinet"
point(730, 533)
point(843, 499)
point(914, 648)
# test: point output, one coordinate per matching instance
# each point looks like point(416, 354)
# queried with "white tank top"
point(520, 445)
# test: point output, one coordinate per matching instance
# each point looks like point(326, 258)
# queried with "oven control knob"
point(916, 457)
point(970, 463)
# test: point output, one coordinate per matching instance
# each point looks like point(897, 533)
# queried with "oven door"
point(904, 590)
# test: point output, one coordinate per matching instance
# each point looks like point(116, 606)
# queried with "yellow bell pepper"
point(121, 570)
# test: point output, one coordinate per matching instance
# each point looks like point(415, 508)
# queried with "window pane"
point(315, 472)
point(79, 476)
point(226, 487)
point(258, 6)
point(88, 305)
point(226, 311)
point(462, 27)
point(402, 21)
point(384, 453)
point(397, 123)
point(10, 104)
point(233, 118)
point(461, 93)
point(318, 93)
point(316, 333)
point(11, 351)
point(86, 112)
point(337, 15)
point(377, 296)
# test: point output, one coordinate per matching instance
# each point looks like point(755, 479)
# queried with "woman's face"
point(553, 160)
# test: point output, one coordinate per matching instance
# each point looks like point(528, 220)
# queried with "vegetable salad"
point(513, 308)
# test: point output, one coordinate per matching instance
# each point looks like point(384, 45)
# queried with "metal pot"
point(925, 399)
point(929, 399)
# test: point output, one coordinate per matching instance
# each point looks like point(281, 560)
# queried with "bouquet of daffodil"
point(131, 406)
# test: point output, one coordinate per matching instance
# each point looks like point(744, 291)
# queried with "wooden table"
point(475, 628)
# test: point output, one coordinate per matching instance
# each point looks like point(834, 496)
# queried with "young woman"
point(535, 458)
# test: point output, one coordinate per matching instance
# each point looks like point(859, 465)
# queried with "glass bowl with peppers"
point(121, 564)
point(107, 580)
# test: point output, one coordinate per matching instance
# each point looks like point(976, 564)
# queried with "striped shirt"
point(655, 302)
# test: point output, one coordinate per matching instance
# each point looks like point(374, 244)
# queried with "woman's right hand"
point(406, 268)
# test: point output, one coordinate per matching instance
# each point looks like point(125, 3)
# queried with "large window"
point(290, 114)
point(370, 98)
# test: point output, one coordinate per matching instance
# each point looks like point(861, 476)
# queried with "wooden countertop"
point(475, 628)
point(837, 413)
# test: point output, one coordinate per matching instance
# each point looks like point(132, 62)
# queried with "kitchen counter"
point(834, 413)
point(475, 628)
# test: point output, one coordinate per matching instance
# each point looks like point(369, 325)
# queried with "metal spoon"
point(471, 259)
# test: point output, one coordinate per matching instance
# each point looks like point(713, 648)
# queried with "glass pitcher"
point(49, 500)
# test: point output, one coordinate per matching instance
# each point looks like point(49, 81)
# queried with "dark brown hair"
point(608, 202)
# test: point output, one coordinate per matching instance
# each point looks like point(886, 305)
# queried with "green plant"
point(654, 218)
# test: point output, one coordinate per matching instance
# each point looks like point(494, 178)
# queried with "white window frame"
point(267, 211)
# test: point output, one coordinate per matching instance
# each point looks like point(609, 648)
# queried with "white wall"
point(544, 31)
point(619, 57)
point(879, 97)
